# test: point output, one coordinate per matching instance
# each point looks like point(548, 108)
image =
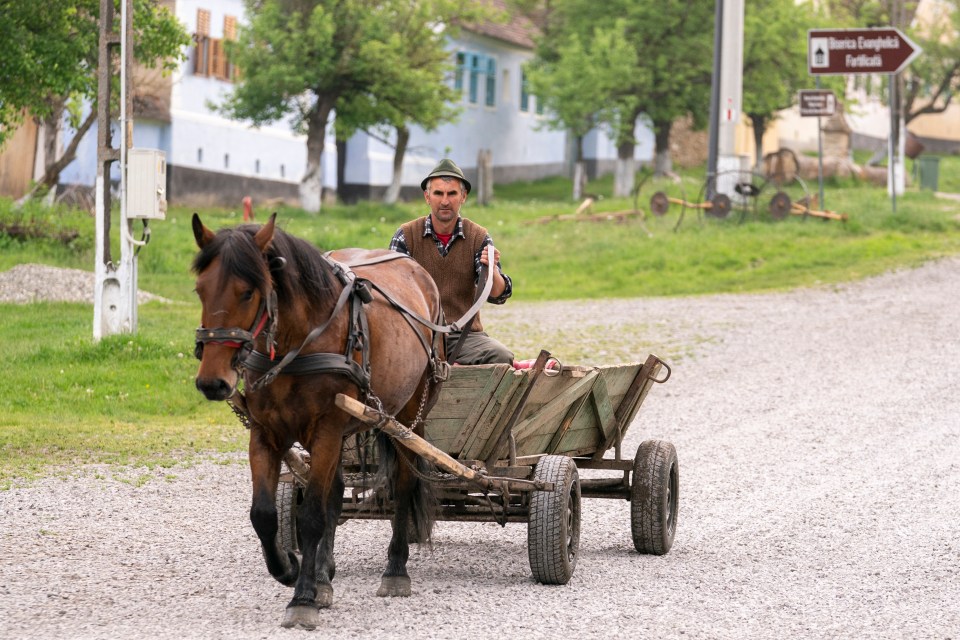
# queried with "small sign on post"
point(817, 102)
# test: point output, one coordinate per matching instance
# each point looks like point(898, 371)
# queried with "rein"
point(356, 290)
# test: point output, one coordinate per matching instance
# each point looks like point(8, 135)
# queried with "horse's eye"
point(247, 296)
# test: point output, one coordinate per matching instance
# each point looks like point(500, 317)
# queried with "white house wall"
point(221, 157)
point(203, 140)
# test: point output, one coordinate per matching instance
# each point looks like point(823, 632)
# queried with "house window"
point(524, 92)
point(283, 171)
point(226, 161)
point(256, 166)
point(200, 155)
point(475, 70)
point(458, 73)
point(210, 58)
point(201, 59)
point(491, 89)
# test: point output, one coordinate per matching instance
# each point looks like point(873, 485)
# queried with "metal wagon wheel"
point(654, 497)
point(553, 529)
point(721, 205)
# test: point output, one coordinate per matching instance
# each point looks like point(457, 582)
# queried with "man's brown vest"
point(454, 273)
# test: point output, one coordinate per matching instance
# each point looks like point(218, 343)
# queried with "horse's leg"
point(265, 472)
point(326, 566)
point(317, 518)
point(395, 580)
point(413, 502)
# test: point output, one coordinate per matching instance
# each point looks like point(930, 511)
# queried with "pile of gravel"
point(818, 434)
point(27, 283)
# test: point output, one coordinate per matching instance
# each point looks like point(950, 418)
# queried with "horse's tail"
point(422, 499)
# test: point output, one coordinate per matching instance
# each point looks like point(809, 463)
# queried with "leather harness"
point(357, 293)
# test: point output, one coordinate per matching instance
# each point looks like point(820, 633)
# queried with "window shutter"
point(229, 28)
point(203, 22)
point(201, 59)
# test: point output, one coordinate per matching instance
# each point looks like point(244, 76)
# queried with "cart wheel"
point(654, 497)
point(289, 498)
point(553, 531)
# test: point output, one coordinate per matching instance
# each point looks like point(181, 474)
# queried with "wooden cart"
point(510, 444)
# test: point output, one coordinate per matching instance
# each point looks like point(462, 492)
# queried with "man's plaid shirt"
point(399, 243)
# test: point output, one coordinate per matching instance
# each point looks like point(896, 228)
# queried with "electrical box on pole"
point(146, 184)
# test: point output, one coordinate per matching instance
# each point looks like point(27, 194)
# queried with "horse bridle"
point(242, 340)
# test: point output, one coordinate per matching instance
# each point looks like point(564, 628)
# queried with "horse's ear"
point(264, 236)
point(202, 235)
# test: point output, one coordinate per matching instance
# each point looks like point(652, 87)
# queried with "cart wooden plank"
point(464, 400)
point(491, 424)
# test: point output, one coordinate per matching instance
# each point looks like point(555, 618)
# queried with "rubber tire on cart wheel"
point(289, 497)
point(553, 529)
point(654, 496)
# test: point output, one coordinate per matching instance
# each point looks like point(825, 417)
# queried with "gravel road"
point(818, 433)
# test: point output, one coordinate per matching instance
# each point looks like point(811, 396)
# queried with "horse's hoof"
point(391, 586)
point(324, 595)
point(300, 617)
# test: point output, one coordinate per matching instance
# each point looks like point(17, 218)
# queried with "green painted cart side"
point(578, 411)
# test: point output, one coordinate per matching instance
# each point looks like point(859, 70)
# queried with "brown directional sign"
point(845, 51)
point(816, 102)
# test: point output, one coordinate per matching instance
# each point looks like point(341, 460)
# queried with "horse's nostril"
point(214, 388)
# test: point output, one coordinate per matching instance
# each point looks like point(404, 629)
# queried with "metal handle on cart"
point(666, 377)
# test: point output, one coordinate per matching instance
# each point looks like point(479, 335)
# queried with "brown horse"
point(298, 327)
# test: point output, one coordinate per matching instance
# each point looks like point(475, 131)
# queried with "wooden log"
point(618, 216)
point(798, 209)
point(424, 449)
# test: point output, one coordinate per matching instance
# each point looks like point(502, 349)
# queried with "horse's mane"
point(301, 272)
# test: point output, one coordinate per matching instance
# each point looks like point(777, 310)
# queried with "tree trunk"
point(662, 164)
point(393, 191)
point(579, 170)
point(53, 165)
point(625, 173)
point(759, 123)
point(311, 186)
point(341, 167)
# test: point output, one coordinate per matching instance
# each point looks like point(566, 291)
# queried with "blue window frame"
point(474, 90)
point(524, 92)
point(491, 89)
point(458, 73)
point(472, 69)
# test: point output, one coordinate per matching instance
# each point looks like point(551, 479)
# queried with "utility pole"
point(115, 288)
point(726, 99)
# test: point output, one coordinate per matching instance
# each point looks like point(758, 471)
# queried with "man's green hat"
point(447, 167)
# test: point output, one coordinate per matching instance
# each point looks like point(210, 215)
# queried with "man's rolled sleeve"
point(507, 289)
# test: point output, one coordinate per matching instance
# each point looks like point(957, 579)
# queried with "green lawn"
point(130, 400)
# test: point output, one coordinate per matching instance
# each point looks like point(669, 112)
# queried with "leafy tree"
point(672, 43)
point(576, 83)
point(933, 78)
point(51, 71)
point(415, 90)
point(372, 62)
point(774, 60)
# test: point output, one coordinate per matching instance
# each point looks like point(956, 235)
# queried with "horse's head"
point(235, 290)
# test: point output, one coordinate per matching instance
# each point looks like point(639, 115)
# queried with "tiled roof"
point(517, 29)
